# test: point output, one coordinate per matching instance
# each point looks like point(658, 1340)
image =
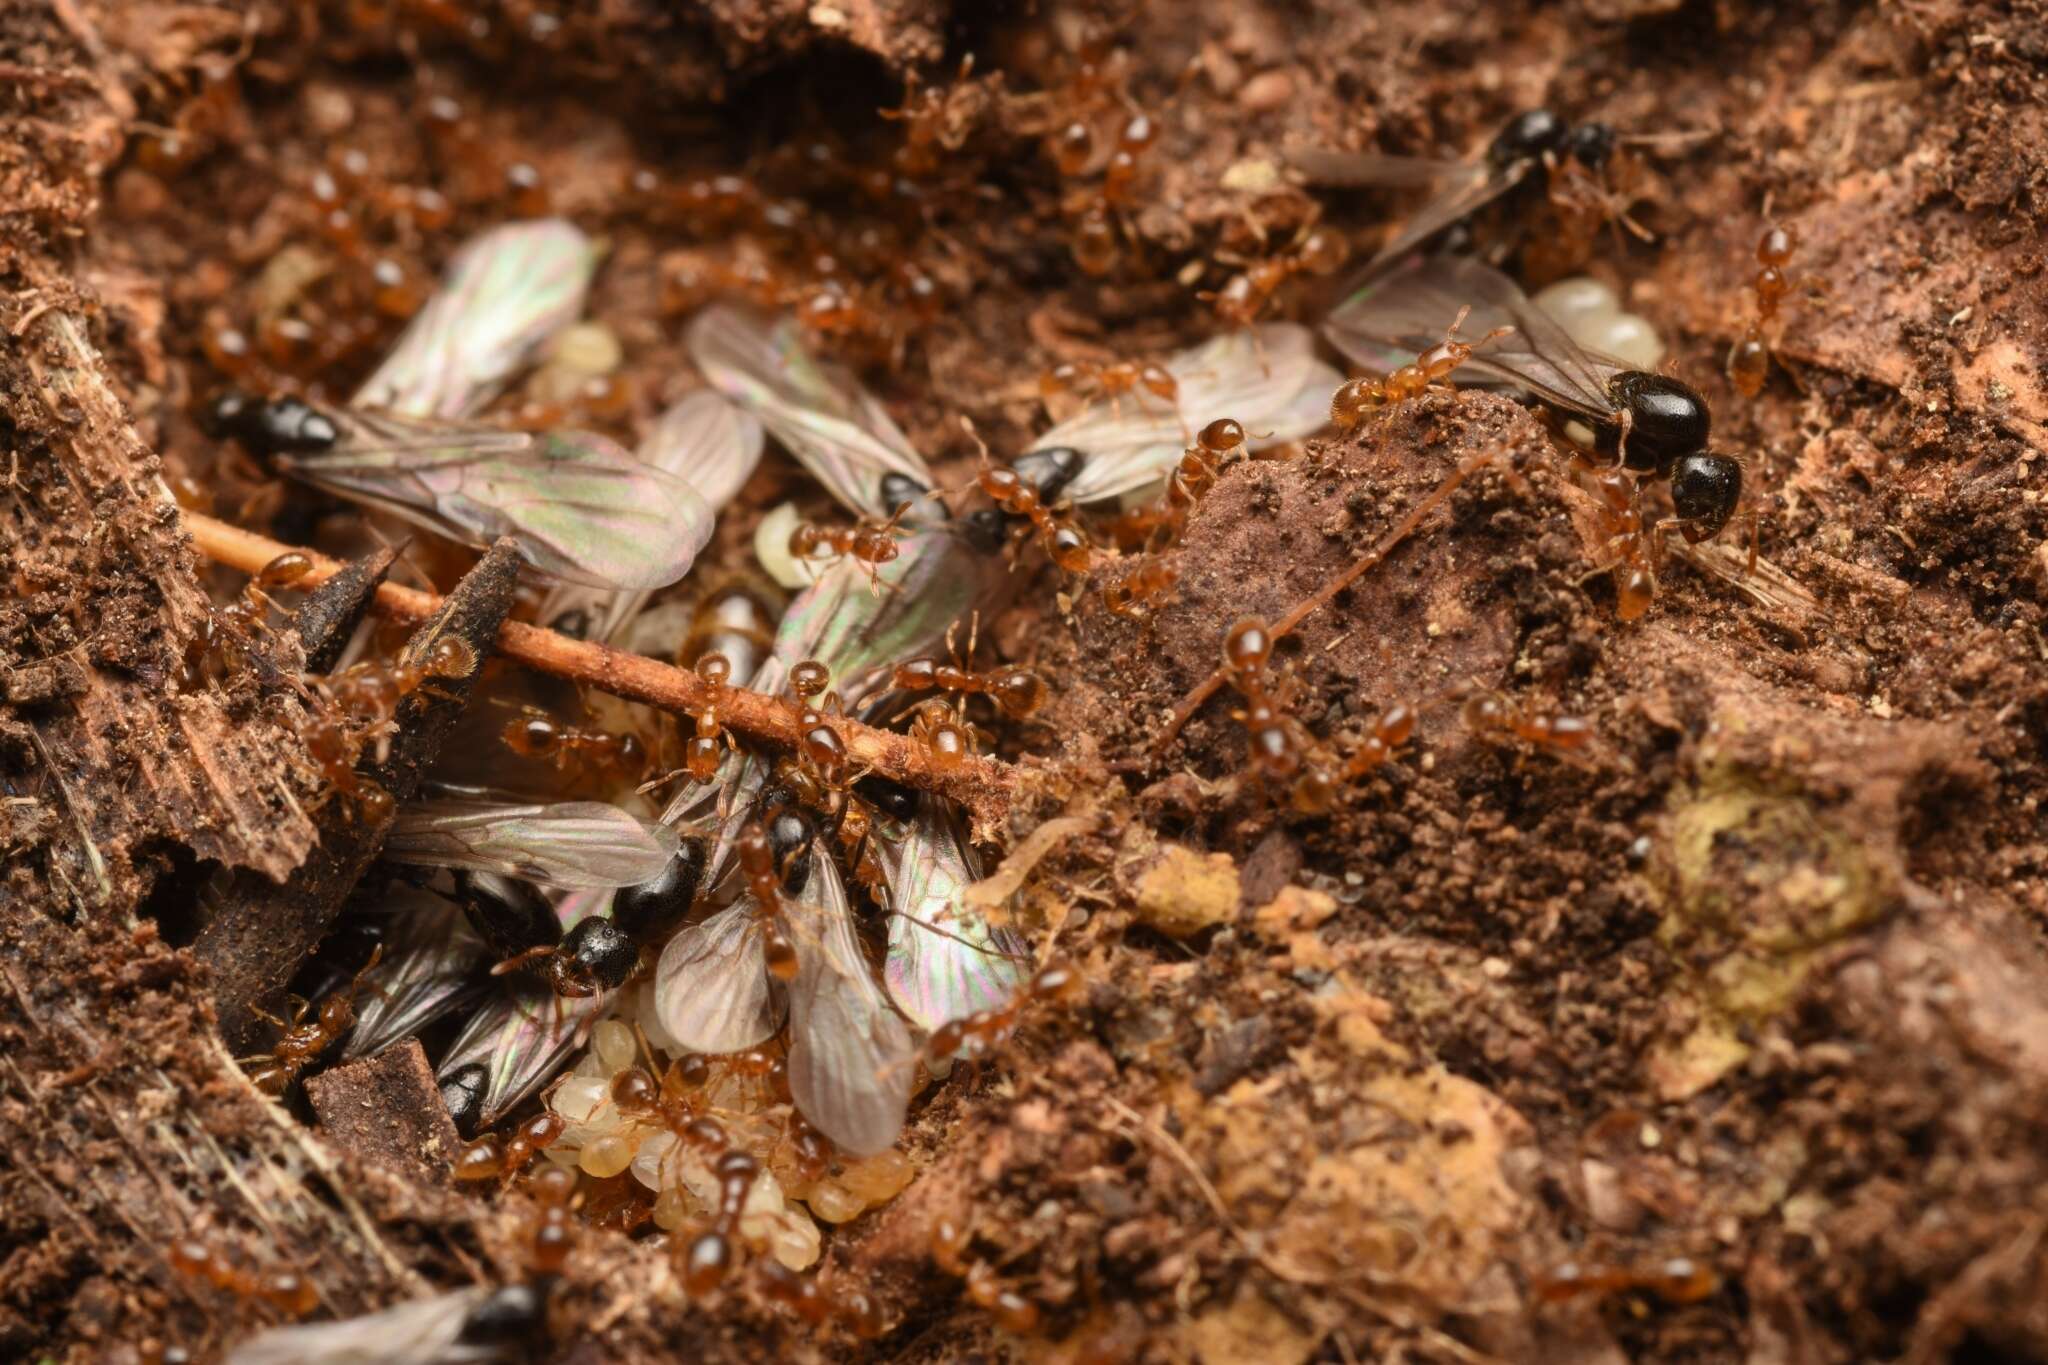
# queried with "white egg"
point(1576, 302)
point(1630, 339)
point(771, 547)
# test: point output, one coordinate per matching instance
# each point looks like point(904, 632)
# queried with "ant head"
point(1529, 134)
point(1590, 144)
point(900, 491)
point(1706, 487)
point(225, 415)
point(986, 529)
point(595, 954)
point(1049, 470)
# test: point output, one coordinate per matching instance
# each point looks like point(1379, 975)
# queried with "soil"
point(1755, 978)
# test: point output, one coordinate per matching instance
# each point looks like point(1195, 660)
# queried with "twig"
point(984, 785)
point(1308, 606)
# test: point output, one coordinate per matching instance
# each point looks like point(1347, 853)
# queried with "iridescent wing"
point(851, 1058)
point(712, 988)
point(580, 507)
point(818, 412)
point(587, 844)
point(418, 1332)
point(505, 294)
point(705, 440)
point(936, 581)
point(1405, 311)
point(946, 961)
point(1266, 377)
point(523, 1034)
point(433, 965)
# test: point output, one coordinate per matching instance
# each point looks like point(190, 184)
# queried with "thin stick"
point(983, 785)
point(1308, 606)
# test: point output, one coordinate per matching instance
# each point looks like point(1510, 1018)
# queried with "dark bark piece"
point(332, 611)
point(388, 1109)
point(262, 930)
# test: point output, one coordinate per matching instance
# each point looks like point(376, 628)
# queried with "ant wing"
point(1375, 171)
point(946, 961)
point(587, 844)
point(526, 1032)
point(851, 1059)
point(704, 440)
point(936, 579)
point(820, 413)
point(505, 294)
point(580, 507)
point(433, 965)
point(1267, 377)
point(1463, 195)
point(712, 992)
point(418, 1332)
point(1389, 322)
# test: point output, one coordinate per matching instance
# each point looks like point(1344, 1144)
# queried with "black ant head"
point(462, 1090)
point(1528, 134)
point(511, 1316)
point(1705, 489)
point(226, 414)
point(1590, 144)
point(899, 491)
point(892, 799)
point(1049, 471)
point(594, 955)
point(986, 530)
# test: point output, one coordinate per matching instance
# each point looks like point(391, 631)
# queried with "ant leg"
point(1628, 422)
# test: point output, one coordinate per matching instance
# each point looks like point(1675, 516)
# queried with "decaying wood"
point(258, 932)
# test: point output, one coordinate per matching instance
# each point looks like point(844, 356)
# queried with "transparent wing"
point(1267, 377)
point(1463, 195)
point(819, 412)
point(580, 507)
point(946, 960)
point(419, 1332)
point(712, 988)
point(706, 441)
point(587, 844)
point(851, 1058)
point(1408, 309)
point(525, 1032)
point(1373, 170)
point(936, 580)
point(505, 294)
point(433, 965)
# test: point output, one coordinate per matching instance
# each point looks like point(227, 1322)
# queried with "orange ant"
point(705, 750)
point(947, 740)
point(1278, 749)
point(984, 1031)
point(758, 864)
point(926, 117)
point(1679, 1280)
point(487, 1158)
point(1621, 520)
point(1490, 714)
point(871, 544)
point(1065, 543)
point(1749, 360)
point(226, 632)
point(1018, 691)
point(540, 736)
point(305, 1039)
point(288, 1291)
point(1141, 587)
point(1357, 397)
point(1245, 295)
point(950, 1241)
point(1083, 380)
